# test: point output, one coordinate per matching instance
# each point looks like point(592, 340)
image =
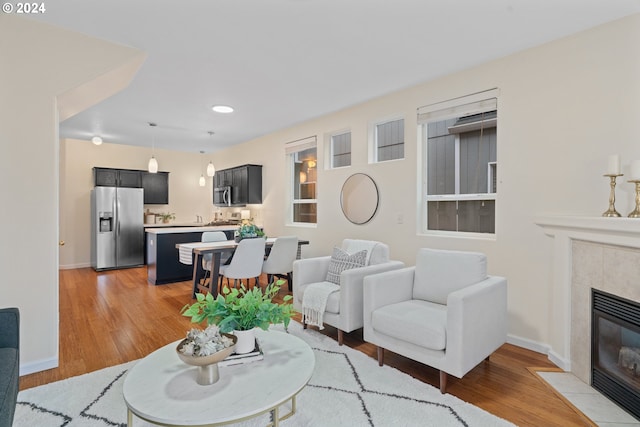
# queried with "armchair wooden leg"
point(340, 337)
point(443, 381)
point(380, 355)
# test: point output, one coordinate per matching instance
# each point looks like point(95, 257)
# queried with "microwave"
point(222, 196)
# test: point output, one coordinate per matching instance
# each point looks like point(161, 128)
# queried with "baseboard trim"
point(560, 361)
point(528, 344)
point(538, 347)
point(41, 365)
point(72, 266)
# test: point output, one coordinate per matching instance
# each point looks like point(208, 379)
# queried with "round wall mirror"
point(359, 198)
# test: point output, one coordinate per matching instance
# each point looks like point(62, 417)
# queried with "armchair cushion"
point(419, 322)
point(439, 273)
point(377, 252)
point(341, 260)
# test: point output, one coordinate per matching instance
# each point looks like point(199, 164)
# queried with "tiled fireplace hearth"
point(598, 253)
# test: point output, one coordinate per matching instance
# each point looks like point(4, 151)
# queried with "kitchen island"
point(163, 265)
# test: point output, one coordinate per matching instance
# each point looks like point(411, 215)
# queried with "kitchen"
point(118, 238)
point(191, 204)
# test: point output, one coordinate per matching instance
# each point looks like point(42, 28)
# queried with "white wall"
point(39, 64)
point(563, 108)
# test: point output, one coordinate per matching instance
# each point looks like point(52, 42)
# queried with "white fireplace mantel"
point(615, 231)
point(565, 229)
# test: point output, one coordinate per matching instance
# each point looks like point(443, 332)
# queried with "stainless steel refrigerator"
point(117, 230)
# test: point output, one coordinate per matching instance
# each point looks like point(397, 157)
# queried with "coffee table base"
point(275, 411)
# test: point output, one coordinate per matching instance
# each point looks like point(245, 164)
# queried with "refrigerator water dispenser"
point(106, 222)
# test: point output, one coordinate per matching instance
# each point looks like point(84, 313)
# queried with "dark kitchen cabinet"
point(246, 185)
point(155, 185)
point(223, 178)
point(108, 177)
point(156, 188)
point(245, 182)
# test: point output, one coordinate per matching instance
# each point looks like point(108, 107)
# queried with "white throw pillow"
point(341, 260)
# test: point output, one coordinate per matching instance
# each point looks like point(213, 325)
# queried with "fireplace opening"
point(615, 349)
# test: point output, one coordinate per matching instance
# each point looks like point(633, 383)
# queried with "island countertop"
point(173, 230)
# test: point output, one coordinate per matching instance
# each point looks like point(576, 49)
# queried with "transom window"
point(460, 146)
point(341, 150)
point(389, 140)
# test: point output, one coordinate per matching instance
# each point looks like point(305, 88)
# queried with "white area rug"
point(348, 388)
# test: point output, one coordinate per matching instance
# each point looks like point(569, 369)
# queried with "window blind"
point(470, 104)
point(300, 145)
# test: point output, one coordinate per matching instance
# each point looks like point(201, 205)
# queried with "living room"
point(564, 107)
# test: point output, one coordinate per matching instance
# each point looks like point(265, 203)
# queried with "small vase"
point(246, 341)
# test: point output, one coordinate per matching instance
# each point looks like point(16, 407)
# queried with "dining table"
point(195, 251)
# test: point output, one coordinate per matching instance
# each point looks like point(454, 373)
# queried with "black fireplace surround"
point(615, 349)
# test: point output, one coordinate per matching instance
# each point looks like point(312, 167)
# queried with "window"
point(460, 167)
point(389, 140)
point(302, 157)
point(341, 150)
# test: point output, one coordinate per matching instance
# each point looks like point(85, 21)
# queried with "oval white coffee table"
point(162, 390)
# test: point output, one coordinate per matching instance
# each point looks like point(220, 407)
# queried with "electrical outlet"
point(400, 218)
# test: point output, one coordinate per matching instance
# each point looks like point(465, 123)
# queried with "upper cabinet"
point(245, 183)
point(156, 188)
point(107, 177)
point(155, 185)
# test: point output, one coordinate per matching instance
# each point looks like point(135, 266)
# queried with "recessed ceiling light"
point(96, 140)
point(222, 109)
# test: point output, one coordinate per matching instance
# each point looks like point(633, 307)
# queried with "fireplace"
point(615, 349)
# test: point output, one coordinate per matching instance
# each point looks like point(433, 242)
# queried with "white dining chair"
point(281, 258)
point(246, 262)
point(207, 259)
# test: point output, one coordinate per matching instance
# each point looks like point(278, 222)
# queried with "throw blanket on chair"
point(314, 302)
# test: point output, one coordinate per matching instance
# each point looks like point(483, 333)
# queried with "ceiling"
point(282, 62)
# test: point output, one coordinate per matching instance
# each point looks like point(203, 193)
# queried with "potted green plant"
point(166, 217)
point(240, 310)
point(247, 230)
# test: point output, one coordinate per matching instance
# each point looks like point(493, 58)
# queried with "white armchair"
point(445, 312)
point(344, 308)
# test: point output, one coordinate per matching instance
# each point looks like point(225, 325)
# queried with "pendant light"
point(211, 170)
point(152, 167)
point(202, 181)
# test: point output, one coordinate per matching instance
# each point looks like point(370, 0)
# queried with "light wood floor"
point(114, 317)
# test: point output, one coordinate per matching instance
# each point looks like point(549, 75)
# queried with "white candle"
point(614, 165)
point(635, 170)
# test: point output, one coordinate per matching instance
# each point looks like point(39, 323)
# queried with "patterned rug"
point(348, 388)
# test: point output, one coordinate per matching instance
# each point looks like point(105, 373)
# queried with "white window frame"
point(329, 151)
point(291, 148)
point(373, 138)
point(475, 103)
